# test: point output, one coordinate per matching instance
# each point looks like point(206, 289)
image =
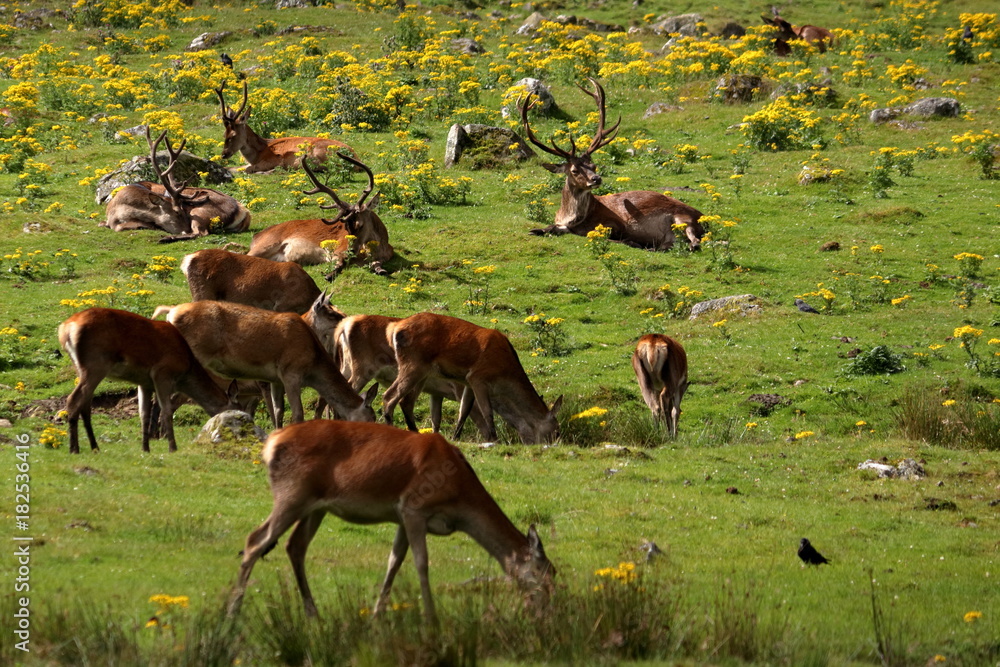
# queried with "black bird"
point(805, 307)
point(967, 33)
point(226, 60)
point(809, 555)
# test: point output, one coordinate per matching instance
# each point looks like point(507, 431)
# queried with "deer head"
point(353, 216)
point(179, 203)
point(234, 123)
point(580, 170)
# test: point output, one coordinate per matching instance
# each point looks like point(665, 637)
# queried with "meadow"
point(133, 554)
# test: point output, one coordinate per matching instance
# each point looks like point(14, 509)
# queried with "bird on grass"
point(809, 555)
point(226, 60)
point(805, 307)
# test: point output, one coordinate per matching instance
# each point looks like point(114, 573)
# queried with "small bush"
point(879, 360)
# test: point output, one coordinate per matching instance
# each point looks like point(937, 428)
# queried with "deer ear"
point(556, 406)
point(245, 116)
point(370, 395)
point(556, 168)
point(535, 543)
point(374, 201)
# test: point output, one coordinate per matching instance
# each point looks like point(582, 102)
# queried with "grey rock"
point(231, 425)
point(189, 166)
point(122, 136)
point(545, 103)
point(531, 24)
point(658, 108)
point(940, 107)
point(207, 40)
point(294, 4)
point(467, 46)
point(744, 304)
point(685, 25)
point(496, 139)
point(878, 116)
point(907, 469)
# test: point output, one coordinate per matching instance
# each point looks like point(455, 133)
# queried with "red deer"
point(428, 345)
point(300, 240)
point(365, 353)
point(243, 342)
point(372, 473)
point(660, 365)
point(265, 155)
point(639, 218)
point(821, 37)
point(153, 355)
point(219, 275)
point(181, 211)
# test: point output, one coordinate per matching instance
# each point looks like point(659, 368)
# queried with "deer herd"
point(258, 325)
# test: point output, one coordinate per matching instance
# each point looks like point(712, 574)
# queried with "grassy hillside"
point(902, 362)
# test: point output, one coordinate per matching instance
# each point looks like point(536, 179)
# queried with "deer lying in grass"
point(821, 37)
point(660, 365)
point(219, 275)
point(120, 345)
point(265, 155)
point(181, 211)
point(429, 346)
point(371, 473)
point(639, 218)
point(243, 342)
point(301, 240)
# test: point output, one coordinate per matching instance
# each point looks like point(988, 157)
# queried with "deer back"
point(219, 275)
point(662, 360)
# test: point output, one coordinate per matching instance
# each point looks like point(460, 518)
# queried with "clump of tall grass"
point(968, 420)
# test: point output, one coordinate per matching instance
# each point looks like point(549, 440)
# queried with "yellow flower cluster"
point(590, 412)
point(623, 572)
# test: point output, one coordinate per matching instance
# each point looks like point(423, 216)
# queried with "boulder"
point(685, 25)
point(658, 108)
point(743, 304)
point(207, 40)
point(907, 469)
point(531, 24)
point(230, 426)
point(937, 107)
point(469, 47)
point(189, 166)
point(879, 116)
point(294, 4)
point(491, 144)
point(545, 103)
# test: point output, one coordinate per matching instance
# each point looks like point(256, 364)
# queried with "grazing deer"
point(300, 240)
point(265, 155)
point(371, 473)
point(243, 342)
point(219, 275)
point(428, 345)
point(183, 212)
point(639, 218)
point(821, 37)
point(153, 355)
point(661, 367)
point(365, 353)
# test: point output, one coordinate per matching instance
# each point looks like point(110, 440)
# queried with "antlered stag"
point(103, 342)
point(821, 37)
point(428, 345)
point(372, 473)
point(365, 353)
point(181, 211)
point(639, 218)
point(219, 275)
point(300, 240)
point(660, 365)
point(243, 342)
point(264, 155)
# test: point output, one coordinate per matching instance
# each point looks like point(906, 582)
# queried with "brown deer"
point(365, 353)
point(265, 155)
point(821, 37)
point(120, 345)
point(639, 218)
point(372, 473)
point(428, 345)
point(660, 365)
point(181, 211)
point(215, 274)
point(300, 240)
point(243, 342)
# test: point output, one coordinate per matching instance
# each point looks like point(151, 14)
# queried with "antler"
point(603, 137)
point(554, 149)
point(371, 177)
point(166, 176)
point(320, 187)
point(227, 112)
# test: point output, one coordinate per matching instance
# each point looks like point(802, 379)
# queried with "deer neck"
point(495, 533)
point(254, 146)
point(575, 206)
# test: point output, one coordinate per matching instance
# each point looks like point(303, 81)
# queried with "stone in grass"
point(907, 469)
point(744, 304)
point(231, 434)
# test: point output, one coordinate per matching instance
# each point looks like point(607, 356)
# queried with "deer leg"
point(294, 392)
point(667, 411)
point(404, 383)
point(408, 402)
point(466, 402)
point(296, 548)
point(436, 401)
point(481, 393)
point(79, 402)
point(145, 416)
point(649, 393)
point(265, 392)
point(416, 534)
point(278, 403)
point(399, 547)
point(163, 390)
point(260, 541)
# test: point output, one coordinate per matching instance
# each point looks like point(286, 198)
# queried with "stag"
point(265, 155)
point(787, 32)
point(183, 212)
point(661, 368)
point(371, 473)
point(301, 240)
point(639, 218)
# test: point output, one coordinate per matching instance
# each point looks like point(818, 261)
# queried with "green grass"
point(115, 529)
